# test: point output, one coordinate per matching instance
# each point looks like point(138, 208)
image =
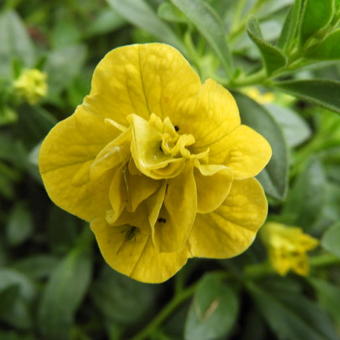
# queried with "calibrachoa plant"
point(202, 154)
point(158, 163)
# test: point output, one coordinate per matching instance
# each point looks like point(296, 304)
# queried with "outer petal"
point(208, 116)
point(244, 150)
point(176, 218)
point(213, 184)
point(230, 229)
point(141, 79)
point(64, 162)
point(131, 252)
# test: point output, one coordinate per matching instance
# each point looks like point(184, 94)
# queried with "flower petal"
point(208, 116)
point(244, 150)
point(141, 79)
point(230, 229)
point(131, 252)
point(147, 153)
point(213, 184)
point(65, 158)
point(176, 218)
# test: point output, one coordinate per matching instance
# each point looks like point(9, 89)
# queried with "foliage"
point(53, 282)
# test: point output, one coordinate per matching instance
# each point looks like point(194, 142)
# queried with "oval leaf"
point(213, 310)
point(273, 58)
point(274, 177)
point(140, 14)
point(210, 26)
point(318, 91)
point(327, 49)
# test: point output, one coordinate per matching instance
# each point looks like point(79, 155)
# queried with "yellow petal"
point(139, 188)
point(130, 251)
point(65, 158)
point(244, 150)
point(213, 184)
point(208, 116)
point(177, 216)
point(230, 229)
point(141, 79)
point(147, 153)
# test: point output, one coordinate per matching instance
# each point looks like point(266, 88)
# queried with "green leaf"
point(8, 297)
point(331, 240)
point(62, 66)
point(36, 266)
point(105, 21)
point(113, 289)
point(317, 15)
point(167, 11)
point(15, 42)
point(290, 34)
point(141, 15)
point(213, 311)
point(274, 177)
point(318, 91)
point(210, 26)
point(273, 58)
point(327, 49)
point(292, 316)
point(328, 297)
point(307, 197)
point(65, 291)
point(295, 129)
point(20, 225)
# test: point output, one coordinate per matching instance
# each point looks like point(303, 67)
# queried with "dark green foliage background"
point(54, 283)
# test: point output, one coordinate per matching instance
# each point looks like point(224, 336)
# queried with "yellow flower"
point(255, 94)
point(288, 247)
point(31, 85)
point(158, 163)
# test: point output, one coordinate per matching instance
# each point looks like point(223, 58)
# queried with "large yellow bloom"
point(288, 247)
point(158, 163)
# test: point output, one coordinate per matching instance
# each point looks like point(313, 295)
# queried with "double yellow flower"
point(158, 163)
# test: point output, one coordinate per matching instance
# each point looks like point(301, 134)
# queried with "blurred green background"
point(54, 283)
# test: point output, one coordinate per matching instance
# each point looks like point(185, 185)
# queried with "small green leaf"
point(295, 129)
point(290, 34)
point(307, 197)
point(273, 58)
point(141, 14)
point(274, 177)
point(317, 15)
point(292, 316)
point(107, 20)
point(213, 311)
point(318, 91)
point(167, 11)
point(114, 289)
point(64, 291)
point(19, 226)
point(327, 49)
point(331, 240)
point(15, 42)
point(210, 26)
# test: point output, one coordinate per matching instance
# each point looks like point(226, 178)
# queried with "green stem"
point(165, 312)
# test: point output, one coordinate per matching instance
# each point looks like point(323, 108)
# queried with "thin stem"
point(165, 312)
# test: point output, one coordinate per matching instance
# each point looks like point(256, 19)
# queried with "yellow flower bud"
point(261, 98)
point(287, 248)
point(31, 85)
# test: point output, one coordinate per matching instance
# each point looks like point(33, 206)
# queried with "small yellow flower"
point(288, 247)
point(31, 85)
point(262, 98)
point(158, 163)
